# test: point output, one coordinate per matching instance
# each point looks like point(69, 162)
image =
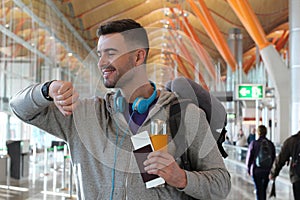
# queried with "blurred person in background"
point(241, 139)
point(259, 160)
point(289, 155)
point(251, 136)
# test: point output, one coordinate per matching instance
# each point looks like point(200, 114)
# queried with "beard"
point(117, 77)
point(110, 81)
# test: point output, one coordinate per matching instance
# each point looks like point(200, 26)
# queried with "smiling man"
point(98, 130)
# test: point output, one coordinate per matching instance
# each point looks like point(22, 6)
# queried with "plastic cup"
point(158, 135)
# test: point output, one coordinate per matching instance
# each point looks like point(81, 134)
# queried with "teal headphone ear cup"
point(141, 105)
point(119, 102)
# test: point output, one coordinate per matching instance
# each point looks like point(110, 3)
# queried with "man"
point(257, 170)
point(251, 136)
point(98, 130)
point(288, 150)
point(241, 139)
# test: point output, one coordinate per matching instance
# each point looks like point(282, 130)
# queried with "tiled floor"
point(50, 182)
point(243, 188)
point(47, 183)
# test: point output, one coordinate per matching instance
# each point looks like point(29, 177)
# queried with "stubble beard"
point(109, 83)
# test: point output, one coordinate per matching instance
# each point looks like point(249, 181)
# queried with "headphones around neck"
point(140, 104)
point(119, 102)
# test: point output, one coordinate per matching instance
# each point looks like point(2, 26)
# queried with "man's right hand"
point(64, 96)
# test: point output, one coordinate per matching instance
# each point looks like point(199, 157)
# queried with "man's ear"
point(140, 57)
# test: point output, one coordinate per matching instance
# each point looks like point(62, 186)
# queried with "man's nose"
point(102, 62)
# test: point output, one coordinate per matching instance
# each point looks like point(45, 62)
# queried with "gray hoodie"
point(101, 150)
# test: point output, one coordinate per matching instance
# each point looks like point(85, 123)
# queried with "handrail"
point(238, 154)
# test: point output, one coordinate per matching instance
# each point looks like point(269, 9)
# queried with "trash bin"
point(19, 152)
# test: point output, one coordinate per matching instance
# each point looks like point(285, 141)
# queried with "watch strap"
point(45, 90)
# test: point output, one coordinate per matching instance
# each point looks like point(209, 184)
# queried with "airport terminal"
point(242, 52)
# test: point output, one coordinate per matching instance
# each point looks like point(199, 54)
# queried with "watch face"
point(45, 91)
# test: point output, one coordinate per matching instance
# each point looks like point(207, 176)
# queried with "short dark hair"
point(262, 130)
point(137, 34)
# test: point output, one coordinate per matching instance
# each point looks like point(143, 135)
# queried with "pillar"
point(294, 17)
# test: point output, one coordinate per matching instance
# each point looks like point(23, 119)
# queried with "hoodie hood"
point(109, 98)
point(166, 97)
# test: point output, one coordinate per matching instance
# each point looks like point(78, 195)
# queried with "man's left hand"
point(163, 164)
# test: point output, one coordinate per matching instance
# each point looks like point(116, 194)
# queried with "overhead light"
point(6, 25)
point(166, 11)
point(70, 54)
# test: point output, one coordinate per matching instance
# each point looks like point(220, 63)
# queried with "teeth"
point(108, 70)
point(106, 73)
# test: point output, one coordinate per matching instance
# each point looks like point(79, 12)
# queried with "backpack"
point(296, 159)
point(264, 156)
point(189, 91)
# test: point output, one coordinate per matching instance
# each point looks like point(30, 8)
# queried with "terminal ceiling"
point(85, 17)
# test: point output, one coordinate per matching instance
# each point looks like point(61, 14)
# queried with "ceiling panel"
point(85, 17)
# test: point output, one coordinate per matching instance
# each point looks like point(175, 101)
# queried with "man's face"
point(114, 58)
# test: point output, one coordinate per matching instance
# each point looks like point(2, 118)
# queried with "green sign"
point(249, 92)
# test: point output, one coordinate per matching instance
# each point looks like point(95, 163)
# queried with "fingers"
point(157, 162)
point(68, 98)
point(159, 157)
point(65, 88)
point(65, 96)
point(164, 165)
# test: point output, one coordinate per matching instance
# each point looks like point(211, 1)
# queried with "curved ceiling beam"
point(250, 21)
point(214, 33)
point(189, 30)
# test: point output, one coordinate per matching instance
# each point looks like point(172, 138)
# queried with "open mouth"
point(108, 72)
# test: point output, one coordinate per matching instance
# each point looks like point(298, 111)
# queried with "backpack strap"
point(178, 132)
point(220, 140)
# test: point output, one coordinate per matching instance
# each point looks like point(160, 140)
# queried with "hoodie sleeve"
point(31, 107)
point(250, 157)
point(281, 159)
point(210, 179)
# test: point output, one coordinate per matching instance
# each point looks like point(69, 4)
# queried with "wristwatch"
point(45, 90)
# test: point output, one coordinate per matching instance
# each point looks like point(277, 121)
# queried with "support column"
point(235, 44)
point(295, 64)
point(278, 72)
